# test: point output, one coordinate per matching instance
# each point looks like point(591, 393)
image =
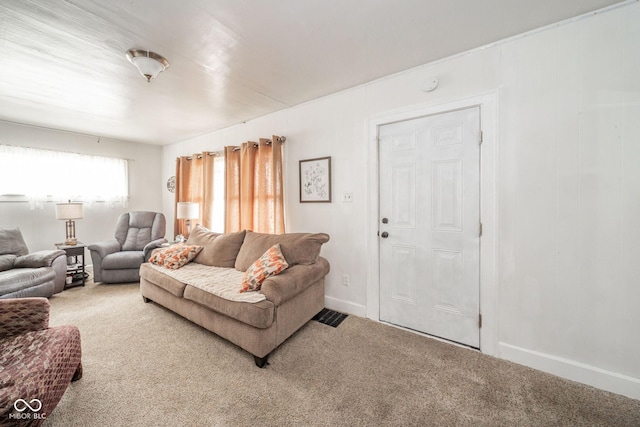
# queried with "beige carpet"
point(145, 366)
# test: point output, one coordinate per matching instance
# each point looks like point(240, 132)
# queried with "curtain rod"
point(281, 139)
point(210, 153)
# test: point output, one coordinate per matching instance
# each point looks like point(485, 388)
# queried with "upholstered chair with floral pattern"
point(37, 362)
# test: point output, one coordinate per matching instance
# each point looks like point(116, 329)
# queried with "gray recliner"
point(24, 274)
point(119, 260)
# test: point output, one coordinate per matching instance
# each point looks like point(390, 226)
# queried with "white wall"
point(567, 187)
point(569, 198)
point(39, 227)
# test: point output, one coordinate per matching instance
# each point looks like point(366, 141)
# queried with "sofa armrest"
point(21, 315)
point(149, 247)
point(38, 259)
point(59, 266)
point(105, 248)
point(292, 281)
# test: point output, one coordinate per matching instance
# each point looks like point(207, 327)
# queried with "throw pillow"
point(269, 264)
point(159, 255)
point(175, 256)
point(182, 255)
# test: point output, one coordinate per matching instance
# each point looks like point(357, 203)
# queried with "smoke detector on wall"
point(430, 84)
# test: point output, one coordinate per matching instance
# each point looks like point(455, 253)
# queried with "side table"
point(75, 264)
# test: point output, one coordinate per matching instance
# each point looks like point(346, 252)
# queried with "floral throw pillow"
point(269, 264)
point(182, 256)
point(159, 255)
point(175, 256)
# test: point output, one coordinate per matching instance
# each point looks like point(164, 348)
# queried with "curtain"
point(254, 187)
point(195, 183)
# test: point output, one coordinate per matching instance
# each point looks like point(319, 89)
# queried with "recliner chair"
point(24, 274)
point(137, 234)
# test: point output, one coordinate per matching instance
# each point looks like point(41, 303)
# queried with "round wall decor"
point(171, 184)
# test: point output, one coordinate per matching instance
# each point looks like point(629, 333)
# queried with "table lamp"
point(70, 211)
point(188, 211)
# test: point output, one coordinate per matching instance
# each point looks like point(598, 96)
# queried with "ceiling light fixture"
point(150, 64)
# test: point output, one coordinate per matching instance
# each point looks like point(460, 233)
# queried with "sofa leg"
point(147, 300)
point(78, 373)
point(261, 361)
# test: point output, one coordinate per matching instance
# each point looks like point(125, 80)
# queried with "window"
point(239, 189)
point(255, 189)
point(200, 179)
point(218, 195)
point(42, 175)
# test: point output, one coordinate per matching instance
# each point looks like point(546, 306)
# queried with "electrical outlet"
point(347, 197)
point(345, 280)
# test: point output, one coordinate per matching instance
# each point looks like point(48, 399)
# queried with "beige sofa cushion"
point(162, 280)
point(219, 250)
point(259, 314)
point(297, 248)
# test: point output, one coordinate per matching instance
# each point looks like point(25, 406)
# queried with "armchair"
point(37, 361)
point(29, 274)
point(137, 234)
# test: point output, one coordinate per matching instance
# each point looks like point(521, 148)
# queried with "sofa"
point(37, 362)
point(118, 260)
point(24, 274)
point(206, 291)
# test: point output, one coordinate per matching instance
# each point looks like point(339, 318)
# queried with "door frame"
point(488, 208)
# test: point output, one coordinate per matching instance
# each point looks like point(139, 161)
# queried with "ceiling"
point(63, 65)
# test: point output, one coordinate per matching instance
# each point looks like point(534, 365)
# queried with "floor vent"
point(330, 317)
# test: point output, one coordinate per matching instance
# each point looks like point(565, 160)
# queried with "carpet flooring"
point(146, 366)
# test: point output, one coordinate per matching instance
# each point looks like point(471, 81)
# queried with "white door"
point(430, 224)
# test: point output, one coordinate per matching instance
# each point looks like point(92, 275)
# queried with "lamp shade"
point(188, 210)
point(69, 210)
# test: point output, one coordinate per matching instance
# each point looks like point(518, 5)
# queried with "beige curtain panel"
point(254, 186)
point(194, 183)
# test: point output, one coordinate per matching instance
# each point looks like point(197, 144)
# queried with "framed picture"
point(315, 180)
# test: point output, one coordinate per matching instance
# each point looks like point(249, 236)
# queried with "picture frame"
point(315, 180)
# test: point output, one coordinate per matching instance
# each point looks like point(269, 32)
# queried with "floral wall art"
point(315, 180)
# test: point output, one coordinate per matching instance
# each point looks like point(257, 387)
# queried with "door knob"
point(385, 220)
point(384, 235)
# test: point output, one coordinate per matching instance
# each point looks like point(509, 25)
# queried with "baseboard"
point(572, 370)
point(343, 306)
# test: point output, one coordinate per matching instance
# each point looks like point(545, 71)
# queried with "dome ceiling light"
point(150, 64)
